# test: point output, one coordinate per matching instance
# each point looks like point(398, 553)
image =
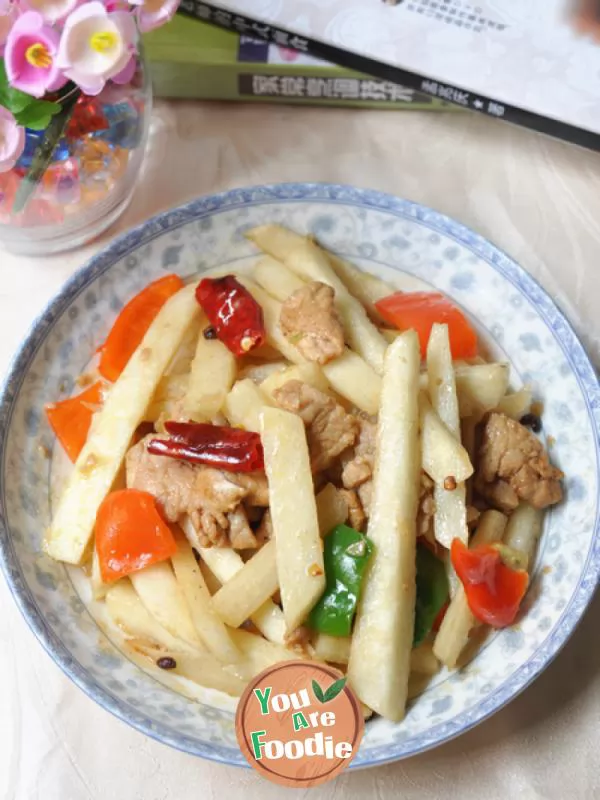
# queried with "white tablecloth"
point(536, 198)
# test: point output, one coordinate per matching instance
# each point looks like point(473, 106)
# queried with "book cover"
point(191, 59)
point(523, 62)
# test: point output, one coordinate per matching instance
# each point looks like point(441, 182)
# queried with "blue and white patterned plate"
point(393, 238)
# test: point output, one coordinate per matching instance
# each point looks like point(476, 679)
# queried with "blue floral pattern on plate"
point(393, 238)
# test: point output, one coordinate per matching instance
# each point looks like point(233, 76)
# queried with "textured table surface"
point(539, 200)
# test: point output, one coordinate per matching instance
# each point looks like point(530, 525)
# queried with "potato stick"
point(259, 372)
point(294, 514)
point(171, 387)
point(113, 427)
point(259, 654)
point(224, 563)
point(249, 588)
point(213, 584)
point(458, 621)
point(367, 288)
point(335, 649)
point(271, 309)
point(278, 242)
point(211, 630)
point(244, 405)
point(355, 380)
point(389, 335)
point(99, 588)
point(443, 456)
point(184, 355)
point(275, 240)
point(524, 530)
point(480, 387)
point(276, 278)
point(258, 580)
point(163, 598)
point(307, 373)
point(516, 405)
point(379, 664)
point(310, 262)
point(423, 661)
point(349, 375)
point(450, 517)
point(128, 612)
point(206, 671)
point(212, 374)
point(332, 509)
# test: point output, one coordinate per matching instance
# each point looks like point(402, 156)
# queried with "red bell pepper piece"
point(217, 446)
point(132, 323)
point(494, 591)
point(420, 310)
point(131, 534)
point(234, 314)
point(70, 419)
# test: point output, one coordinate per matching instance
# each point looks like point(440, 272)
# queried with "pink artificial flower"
point(154, 13)
point(96, 45)
point(30, 56)
point(127, 73)
point(12, 140)
point(51, 10)
point(8, 15)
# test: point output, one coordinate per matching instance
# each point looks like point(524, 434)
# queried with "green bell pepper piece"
point(432, 592)
point(346, 555)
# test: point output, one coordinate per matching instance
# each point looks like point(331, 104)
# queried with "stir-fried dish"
point(300, 462)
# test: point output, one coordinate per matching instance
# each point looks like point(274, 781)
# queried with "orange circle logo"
point(298, 724)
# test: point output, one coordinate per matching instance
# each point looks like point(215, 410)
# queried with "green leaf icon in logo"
point(329, 694)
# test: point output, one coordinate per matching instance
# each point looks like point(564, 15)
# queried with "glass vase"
point(76, 178)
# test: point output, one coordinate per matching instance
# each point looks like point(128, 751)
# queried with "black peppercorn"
point(210, 333)
point(532, 421)
point(166, 663)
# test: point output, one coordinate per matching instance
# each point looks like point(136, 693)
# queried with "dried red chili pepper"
point(233, 312)
point(217, 446)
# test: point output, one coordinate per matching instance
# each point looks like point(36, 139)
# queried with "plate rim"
point(306, 192)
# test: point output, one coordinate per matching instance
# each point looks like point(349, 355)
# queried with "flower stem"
point(45, 150)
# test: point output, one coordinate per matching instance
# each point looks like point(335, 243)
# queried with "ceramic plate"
point(395, 239)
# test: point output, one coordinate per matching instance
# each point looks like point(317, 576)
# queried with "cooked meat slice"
point(513, 466)
point(215, 490)
point(356, 515)
point(426, 510)
point(211, 528)
point(358, 463)
point(298, 639)
point(365, 494)
point(181, 488)
point(310, 321)
point(171, 482)
point(241, 536)
point(264, 532)
point(330, 430)
point(254, 484)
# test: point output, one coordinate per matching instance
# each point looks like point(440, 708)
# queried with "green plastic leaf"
point(318, 692)
point(432, 592)
point(335, 689)
point(27, 110)
point(37, 115)
point(43, 153)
